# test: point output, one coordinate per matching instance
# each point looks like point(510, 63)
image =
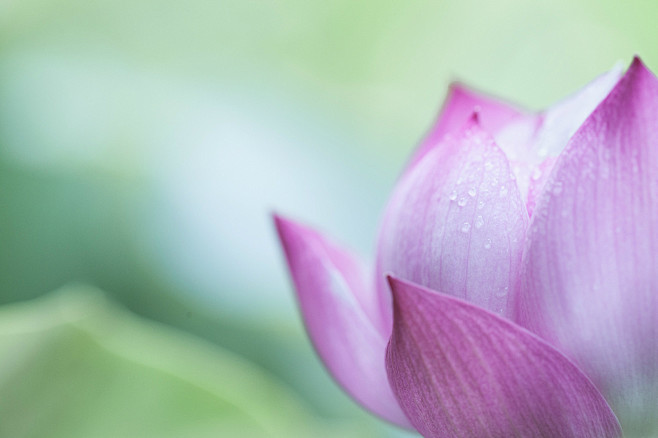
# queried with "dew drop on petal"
point(536, 174)
point(466, 227)
point(453, 195)
point(479, 221)
point(472, 192)
point(480, 205)
point(462, 202)
point(487, 244)
point(502, 292)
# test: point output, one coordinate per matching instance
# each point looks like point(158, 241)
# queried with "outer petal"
point(456, 223)
point(590, 282)
point(460, 371)
point(332, 293)
point(460, 104)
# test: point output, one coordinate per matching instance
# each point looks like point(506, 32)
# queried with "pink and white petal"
point(456, 223)
point(329, 282)
point(532, 142)
point(461, 371)
point(590, 276)
point(459, 105)
point(561, 121)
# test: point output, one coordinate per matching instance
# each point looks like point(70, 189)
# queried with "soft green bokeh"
point(143, 144)
point(74, 365)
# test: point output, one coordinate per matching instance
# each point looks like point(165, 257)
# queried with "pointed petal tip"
point(399, 286)
point(637, 62)
point(639, 67)
point(295, 237)
point(456, 86)
point(459, 90)
point(284, 227)
point(282, 221)
point(278, 221)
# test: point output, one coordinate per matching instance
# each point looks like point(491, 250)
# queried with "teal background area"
point(145, 144)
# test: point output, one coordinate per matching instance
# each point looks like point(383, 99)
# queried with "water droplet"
point(503, 191)
point(512, 176)
point(479, 221)
point(480, 205)
point(466, 227)
point(536, 174)
point(472, 192)
point(502, 292)
point(488, 165)
point(487, 244)
point(462, 202)
point(453, 195)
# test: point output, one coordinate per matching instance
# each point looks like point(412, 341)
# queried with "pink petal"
point(460, 371)
point(460, 104)
point(590, 282)
point(456, 223)
point(333, 289)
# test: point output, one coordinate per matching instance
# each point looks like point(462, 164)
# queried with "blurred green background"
point(143, 146)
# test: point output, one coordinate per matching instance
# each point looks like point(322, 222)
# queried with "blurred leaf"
point(73, 365)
